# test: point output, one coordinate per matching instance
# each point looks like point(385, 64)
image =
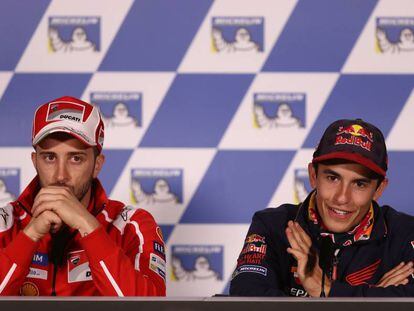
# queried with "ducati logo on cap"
point(65, 111)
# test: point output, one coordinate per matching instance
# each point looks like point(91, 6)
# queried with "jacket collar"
point(379, 231)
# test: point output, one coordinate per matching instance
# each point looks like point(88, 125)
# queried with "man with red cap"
point(338, 242)
point(63, 236)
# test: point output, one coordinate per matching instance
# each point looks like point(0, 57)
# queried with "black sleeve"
point(255, 274)
point(402, 249)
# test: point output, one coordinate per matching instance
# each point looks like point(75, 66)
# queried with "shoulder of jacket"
point(398, 222)
point(132, 213)
point(281, 213)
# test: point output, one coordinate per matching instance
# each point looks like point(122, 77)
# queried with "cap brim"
point(354, 157)
point(43, 135)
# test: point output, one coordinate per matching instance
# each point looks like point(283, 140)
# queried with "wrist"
point(29, 232)
point(89, 226)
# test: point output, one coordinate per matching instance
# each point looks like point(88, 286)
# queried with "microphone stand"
point(323, 284)
point(325, 259)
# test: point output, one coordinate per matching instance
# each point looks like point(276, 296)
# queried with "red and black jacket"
point(264, 268)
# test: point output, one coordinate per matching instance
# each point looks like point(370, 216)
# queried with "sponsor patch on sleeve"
point(159, 248)
point(250, 269)
point(157, 264)
point(38, 267)
point(254, 243)
point(253, 252)
point(36, 273)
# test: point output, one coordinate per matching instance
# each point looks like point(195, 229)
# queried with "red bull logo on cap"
point(356, 130)
point(357, 135)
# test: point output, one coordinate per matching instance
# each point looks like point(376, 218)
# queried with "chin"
point(338, 228)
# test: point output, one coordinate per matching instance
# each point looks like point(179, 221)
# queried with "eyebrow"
point(328, 171)
point(69, 153)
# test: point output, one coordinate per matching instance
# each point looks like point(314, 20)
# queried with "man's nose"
point(342, 194)
point(62, 174)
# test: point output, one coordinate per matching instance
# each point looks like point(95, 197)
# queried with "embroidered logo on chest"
point(361, 276)
point(78, 267)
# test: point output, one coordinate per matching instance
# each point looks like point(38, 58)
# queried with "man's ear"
point(312, 175)
point(100, 159)
point(34, 154)
point(380, 189)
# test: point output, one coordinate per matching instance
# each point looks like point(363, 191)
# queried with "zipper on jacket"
point(335, 262)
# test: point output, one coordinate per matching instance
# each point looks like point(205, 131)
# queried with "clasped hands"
point(55, 206)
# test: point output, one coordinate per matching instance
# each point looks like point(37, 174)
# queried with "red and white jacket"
point(123, 257)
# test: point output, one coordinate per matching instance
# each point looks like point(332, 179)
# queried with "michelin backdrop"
point(212, 108)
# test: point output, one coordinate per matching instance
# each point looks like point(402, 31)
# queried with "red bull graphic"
point(250, 259)
point(254, 238)
point(358, 136)
point(253, 248)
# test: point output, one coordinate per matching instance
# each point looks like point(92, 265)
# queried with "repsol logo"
point(69, 117)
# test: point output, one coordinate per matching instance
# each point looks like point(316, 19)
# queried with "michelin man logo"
point(279, 110)
point(395, 35)
point(5, 195)
point(156, 187)
point(74, 34)
point(122, 116)
point(9, 185)
point(237, 34)
point(301, 186)
point(197, 263)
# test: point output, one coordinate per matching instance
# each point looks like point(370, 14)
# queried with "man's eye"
point(49, 157)
point(361, 184)
point(332, 178)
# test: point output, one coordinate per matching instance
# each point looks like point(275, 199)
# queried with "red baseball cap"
point(69, 115)
point(354, 140)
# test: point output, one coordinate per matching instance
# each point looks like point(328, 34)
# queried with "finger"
point(393, 270)
point(404, 270)
point(304, 236)
point(54, 219)
point(300, 242)
point(40, 199)
point(50, 217)
point(52, 206)
point(55, 190)
point(302, 260)
point(51, 191)
point(55, 227)
point(398, 276)
point(47, 198)
point(291, 238)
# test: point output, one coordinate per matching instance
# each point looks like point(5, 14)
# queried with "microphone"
point(326, 253)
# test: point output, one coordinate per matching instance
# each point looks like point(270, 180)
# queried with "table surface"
point(204, 303)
